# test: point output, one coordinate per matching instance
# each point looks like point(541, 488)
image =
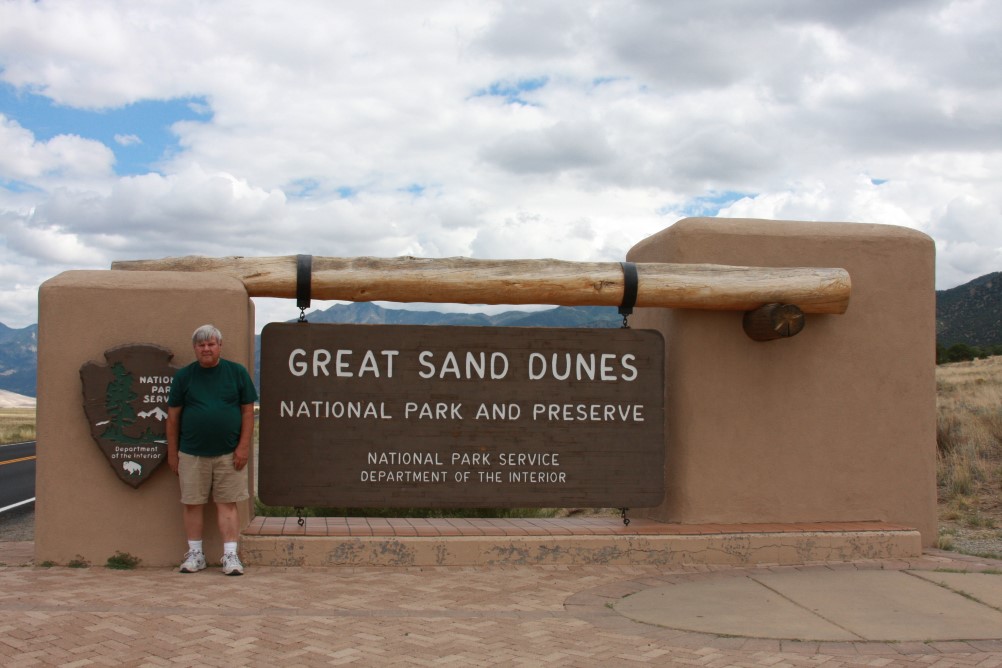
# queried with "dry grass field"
point(969, 446)
point(16, 425)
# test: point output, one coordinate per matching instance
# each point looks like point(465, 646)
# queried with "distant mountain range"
point(970, 313)
point(18, 354)
point(367, 313)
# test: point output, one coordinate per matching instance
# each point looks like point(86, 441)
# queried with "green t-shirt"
point(210, 400)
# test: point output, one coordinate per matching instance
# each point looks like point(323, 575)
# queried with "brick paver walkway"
point(276, 617)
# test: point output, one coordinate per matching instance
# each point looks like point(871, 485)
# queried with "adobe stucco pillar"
point(82, 509)
point(835, 424)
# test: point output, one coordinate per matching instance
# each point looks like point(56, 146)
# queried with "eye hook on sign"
point(630, 285)
point(622, 513)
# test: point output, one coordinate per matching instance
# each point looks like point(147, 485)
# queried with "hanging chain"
point(300, 520)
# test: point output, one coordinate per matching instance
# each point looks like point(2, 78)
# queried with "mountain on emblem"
point(125, 402)
point(157, 413)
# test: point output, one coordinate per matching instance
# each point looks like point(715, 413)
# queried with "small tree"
point(118, 400)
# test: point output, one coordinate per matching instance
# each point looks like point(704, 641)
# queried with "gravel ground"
point(981, 542)
point(18, 524)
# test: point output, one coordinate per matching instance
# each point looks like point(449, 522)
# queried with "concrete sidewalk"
point(831, 605)
point(941, 610)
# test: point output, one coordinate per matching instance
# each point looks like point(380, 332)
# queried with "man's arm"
point(242, 453)
point(173, 436)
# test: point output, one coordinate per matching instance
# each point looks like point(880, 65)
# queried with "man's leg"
point(229, 529)
point(194, 559)
point(229, 487)
point(194, 495)
point(193, 519)
point(229, 521)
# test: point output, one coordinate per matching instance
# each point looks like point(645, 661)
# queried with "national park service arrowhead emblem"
point(125, 402)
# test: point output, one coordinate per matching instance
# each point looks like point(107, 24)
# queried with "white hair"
point(206, 332)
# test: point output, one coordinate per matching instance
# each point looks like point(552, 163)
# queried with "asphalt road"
point(17, 473)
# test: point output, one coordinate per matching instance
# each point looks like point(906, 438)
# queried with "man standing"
point(210, 424)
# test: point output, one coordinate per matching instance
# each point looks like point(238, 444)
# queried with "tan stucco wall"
point(82, 510)
point(835, 424)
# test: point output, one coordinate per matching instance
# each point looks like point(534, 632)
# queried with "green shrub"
point(122, 561)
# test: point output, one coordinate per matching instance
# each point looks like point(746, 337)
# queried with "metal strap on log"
point(304, 284)
point(462, 280)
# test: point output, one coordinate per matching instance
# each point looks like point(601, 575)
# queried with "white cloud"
point(50, 245)
point(127, 140)
point(62, 159)
point(551, 150)
point(503, 129)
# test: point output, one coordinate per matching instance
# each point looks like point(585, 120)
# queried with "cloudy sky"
point(545, 128)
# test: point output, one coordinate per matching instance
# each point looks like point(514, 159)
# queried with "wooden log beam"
point(462, 280)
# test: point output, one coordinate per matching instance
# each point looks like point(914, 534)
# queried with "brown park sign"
point(125, 402)
point(461, 417)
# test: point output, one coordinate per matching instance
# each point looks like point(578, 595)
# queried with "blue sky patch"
point(510, 92)
point(878, 182)
point(139, 134)
point(711, 203)
point(18, 187)
point(598, 81)
point(302, 188)
point(308, 187)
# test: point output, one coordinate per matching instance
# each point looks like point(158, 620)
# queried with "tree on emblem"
point(118, 403)
point(121, 414)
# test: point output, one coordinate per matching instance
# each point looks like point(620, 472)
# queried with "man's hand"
point(240, 456)
point(173, 436)
point(242, 453)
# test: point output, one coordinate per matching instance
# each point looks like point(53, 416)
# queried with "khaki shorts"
point(200, 475)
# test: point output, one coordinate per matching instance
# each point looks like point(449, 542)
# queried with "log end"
point(773, 321)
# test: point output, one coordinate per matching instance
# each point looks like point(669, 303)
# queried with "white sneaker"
point(232, 565)
point(194, 561)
